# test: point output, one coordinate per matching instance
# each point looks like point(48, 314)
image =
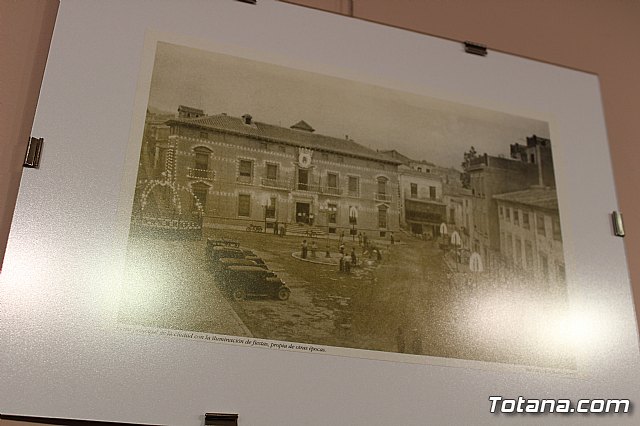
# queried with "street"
point(408, 302)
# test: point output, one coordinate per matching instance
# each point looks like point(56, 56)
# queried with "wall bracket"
point(475, 48)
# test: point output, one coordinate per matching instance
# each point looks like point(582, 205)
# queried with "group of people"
point(304, 253)
point(347, 260)
point(280, 229)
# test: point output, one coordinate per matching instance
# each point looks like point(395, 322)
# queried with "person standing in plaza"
point(314, 247)
point(304, 249)
point(354, 259)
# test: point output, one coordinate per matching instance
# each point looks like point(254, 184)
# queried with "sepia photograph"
point(281, 204)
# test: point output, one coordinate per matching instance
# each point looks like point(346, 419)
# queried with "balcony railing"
point(307, 187)
point(244, 179)
point(275, 183)
point(331, 190)
point(382, 197)
point(200, 174)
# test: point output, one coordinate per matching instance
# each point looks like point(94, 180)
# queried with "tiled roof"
point(544, 198)
point(305, 139)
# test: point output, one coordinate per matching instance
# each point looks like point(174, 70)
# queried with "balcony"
point(244, 179)
point(307, 187)
point(330, 190)
point(382, 197)
point(275, 183)
point(200, 174)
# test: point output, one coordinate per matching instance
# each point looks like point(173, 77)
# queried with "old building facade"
point(235, 171)
point(530, 234)
point(489, 176)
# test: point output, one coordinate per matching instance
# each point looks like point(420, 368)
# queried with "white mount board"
point(62, 357)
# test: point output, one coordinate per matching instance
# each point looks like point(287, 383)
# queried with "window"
point(244, 205)
point(517, 253)
point(340, 159)
point(332, 180)
point(332, 213)
point(246, 168)
point(382, 217)
point(414, 190)
point(204, 135)
point(516, 217)
point(508, 245)
point(525, 220)
point(432, 192)
point(303, 179)
point(270, 209)
point(555, 225)
point(325, 156)
point(200, 191)
point(282, 148)
point(202, 158)
point(544, 264)
point(354, 186)
point(500, 211)
point(272, 171)
point(508, 214)
point(540, 225)
point(528, 254)
point(382, 185)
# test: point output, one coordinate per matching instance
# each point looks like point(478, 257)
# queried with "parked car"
point(222, 263)
point(219, 252)
point(243, 281)
point(219, 242)
point(258, 260)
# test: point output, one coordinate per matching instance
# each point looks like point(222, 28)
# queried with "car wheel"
point(239, 294)
point(283, 293)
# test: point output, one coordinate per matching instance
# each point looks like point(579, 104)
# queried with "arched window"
point(353, 215)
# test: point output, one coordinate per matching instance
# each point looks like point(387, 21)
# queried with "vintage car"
point(243, 281)
point(219, 242)
point(219, 252)
point(256, 259)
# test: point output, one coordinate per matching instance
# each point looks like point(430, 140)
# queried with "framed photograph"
point(269, 210)
point(316, 212)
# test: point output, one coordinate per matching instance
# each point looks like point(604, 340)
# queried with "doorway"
point(302, 212)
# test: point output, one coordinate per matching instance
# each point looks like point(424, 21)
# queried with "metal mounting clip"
point(618, 225)
point(34, 149)
point(220, 419)
point(475, 48)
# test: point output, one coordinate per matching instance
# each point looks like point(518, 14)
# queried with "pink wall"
point(597, 36)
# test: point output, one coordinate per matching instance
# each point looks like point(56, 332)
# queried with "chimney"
point(247, 119)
